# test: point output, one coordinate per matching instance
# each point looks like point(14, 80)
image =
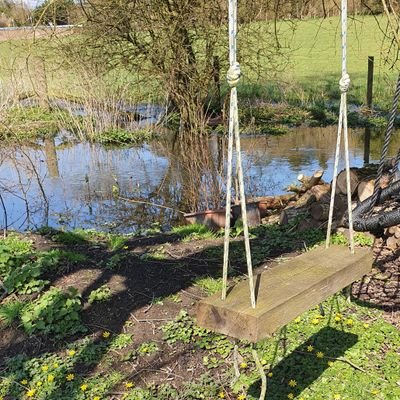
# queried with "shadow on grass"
point(303, 366)
point(136, 281)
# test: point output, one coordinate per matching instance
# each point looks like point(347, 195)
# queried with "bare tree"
point(175, 43)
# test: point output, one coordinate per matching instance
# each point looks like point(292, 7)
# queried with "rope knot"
point(233, 75)
point(344, 83)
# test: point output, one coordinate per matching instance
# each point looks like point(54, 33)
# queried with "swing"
point(280, 294)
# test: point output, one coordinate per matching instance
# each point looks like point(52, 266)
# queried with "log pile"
point(392, 236)
point(311, 206)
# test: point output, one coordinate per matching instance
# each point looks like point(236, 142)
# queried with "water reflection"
point(74, 185)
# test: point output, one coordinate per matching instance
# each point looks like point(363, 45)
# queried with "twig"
point(5, 217)
point(342, 359)
point(151, 319)
point(149, 203)
point(236, 363)
point(260, 368)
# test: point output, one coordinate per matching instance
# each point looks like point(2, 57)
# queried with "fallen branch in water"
point(149, 203)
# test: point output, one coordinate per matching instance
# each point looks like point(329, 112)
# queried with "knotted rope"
point(233, 77)
point(344, 85)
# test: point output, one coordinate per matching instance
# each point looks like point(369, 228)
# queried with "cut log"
point(307, 182)
point(272, 203)
point(392, 243)
point(310, 181)
point(320, 211)
point(290, 214)
point(365, 188)
point(321, 192)
point(355, 179)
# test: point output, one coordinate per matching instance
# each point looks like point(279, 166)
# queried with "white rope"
point(344, 85)
point(233, 77)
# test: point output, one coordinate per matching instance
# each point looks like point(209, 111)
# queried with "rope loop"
point(344, 83)
point(233, 75)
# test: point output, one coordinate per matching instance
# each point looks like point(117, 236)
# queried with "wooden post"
point(370, 85)
point(370, 81)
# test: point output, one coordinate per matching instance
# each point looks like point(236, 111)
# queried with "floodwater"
point(81, 185)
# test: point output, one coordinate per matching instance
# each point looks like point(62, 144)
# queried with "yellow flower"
point(263, 362)
point(297, 320)
point(129, 385)
point(126, 247)
point(349, 322)
point(55, 365)
point(96, 398)
point(30, 393)
point(70, 377)
point(315, 321)
point(290, 396)
point(50, 378)
point(241, 397)
point(320, 354)
point(71, 353)
point(310, 348)
point(83, 387)
point(24, 382)
point(45, 368)
point(337, 397)
point(270, 374)
point(330, 363)
point(366, 325)
point(375, 392)
point(106, 334)
point(38, 384)
point(338, 317)
point(292, 383)
point(243, 365)
point(221, 395)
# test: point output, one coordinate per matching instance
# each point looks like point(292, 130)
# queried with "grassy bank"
point(312, 74)
point(98, 316)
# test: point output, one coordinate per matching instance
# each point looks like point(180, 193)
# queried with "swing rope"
point(344, 85)
point(233, 77)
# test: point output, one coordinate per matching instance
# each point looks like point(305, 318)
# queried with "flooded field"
point(66, 185)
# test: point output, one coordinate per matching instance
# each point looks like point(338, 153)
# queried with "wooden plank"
point(283, 292)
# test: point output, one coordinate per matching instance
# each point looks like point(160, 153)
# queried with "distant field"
point(311, 76)
point(29, 33)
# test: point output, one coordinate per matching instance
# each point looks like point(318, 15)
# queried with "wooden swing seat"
point(283, 292)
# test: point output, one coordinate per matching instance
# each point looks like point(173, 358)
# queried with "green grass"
point(315, 63)
point(194, 232)
point(312, 75)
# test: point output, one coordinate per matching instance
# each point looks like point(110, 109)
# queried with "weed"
point(54, 312)
point(121, 341)
point(209, 285)
point(114, 261)
point(182, 329)
point(363, 240)
point(122, 136)
point(116, 242)
point(103, 293)
point(194, 232)
point(147, 349)
point(10, 311)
